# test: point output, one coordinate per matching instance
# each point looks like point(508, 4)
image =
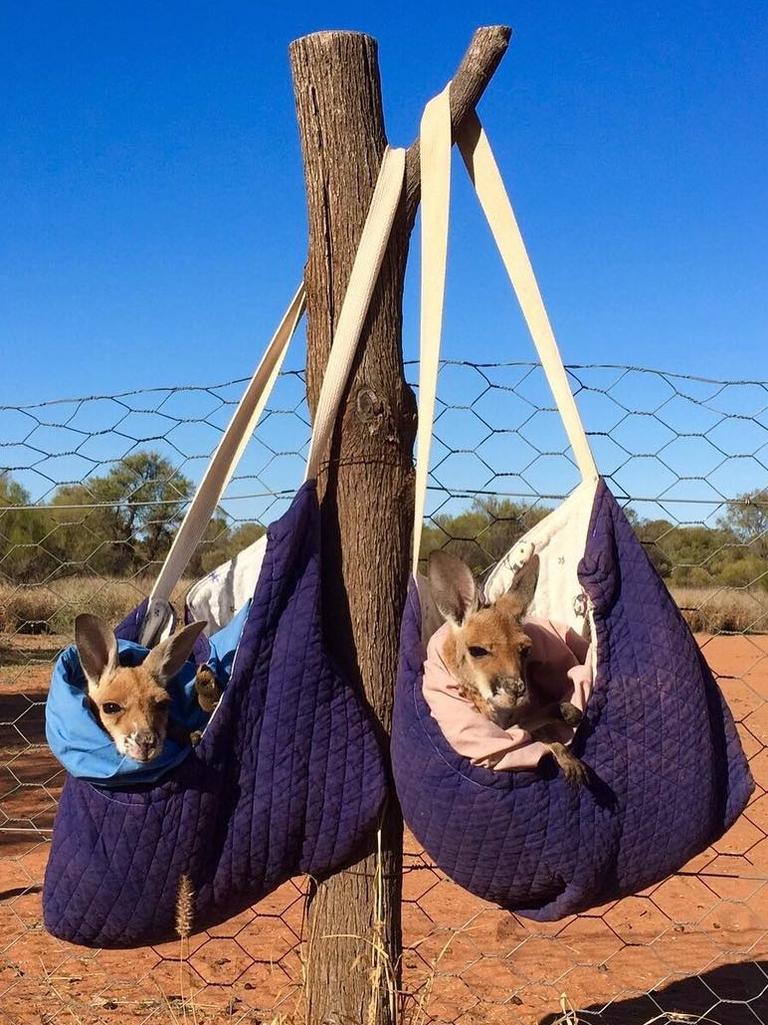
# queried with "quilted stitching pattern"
point(288, 778)
point(670, 774)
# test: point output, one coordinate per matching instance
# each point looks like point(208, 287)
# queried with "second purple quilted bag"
point(667, 772)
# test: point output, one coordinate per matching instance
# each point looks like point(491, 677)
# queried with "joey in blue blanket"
point(88, 752)
point(287, 779)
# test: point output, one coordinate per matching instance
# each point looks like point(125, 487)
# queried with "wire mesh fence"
point(92, 492)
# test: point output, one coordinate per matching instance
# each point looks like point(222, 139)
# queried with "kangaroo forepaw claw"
point(570, 713)
point(575, 773)
point(207, 688)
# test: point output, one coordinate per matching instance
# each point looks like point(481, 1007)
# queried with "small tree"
point(120, 522)
point(22, 529)
point(221, 543)
point(747, 518)
point(484, 533)
point(366, 490)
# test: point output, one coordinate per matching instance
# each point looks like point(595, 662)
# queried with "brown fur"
point(144, 711)
point(485, 652)
point(131, 702)
point(494, 682)
point(207, 688)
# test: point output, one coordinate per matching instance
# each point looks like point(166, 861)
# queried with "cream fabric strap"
point(489, 185)
point(354, 310)
point(220, 469)
point(362, 282)
point(435, 203)
point(435, 158)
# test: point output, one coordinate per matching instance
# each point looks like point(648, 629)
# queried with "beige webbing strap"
point(354, 310)
point(435, 205)
point(489, 185)
point(220, 469)
point(435, 158)
point(362, 282)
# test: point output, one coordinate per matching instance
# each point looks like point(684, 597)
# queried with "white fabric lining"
point(220, 595)
point(559, 541)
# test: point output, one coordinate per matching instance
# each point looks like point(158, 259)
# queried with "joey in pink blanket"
point(559, 668)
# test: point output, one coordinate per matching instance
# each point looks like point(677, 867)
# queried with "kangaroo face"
point(487, 654)
point(131, 702)
point(133, 709)
point(487, 646)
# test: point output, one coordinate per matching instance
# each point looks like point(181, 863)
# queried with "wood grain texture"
point(366, 482)
point(483, 56)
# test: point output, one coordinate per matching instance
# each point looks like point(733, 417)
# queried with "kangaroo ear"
point(96, 646)
point(453, 587)
point(167, 657)
point(524, 583)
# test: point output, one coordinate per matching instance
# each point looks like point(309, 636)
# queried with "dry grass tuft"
point(51, 608)
point(723, 609)
point(185, 908)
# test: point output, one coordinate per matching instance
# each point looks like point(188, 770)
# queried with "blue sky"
point(154, 218)
point(154, 223)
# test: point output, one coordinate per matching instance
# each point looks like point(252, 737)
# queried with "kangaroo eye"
point(111, 708)
point(477, 652)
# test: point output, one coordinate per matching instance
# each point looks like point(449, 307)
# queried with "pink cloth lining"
point(559, 667)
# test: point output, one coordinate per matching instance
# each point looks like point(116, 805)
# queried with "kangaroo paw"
point(570, 713)
point(207, 688)
point(574, 770)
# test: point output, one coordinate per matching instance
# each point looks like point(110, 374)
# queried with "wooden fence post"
point(353, 960)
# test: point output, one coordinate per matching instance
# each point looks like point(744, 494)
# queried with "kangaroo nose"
point(146, 741)
point(514, 686)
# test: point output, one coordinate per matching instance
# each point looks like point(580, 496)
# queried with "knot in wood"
point(372, 410)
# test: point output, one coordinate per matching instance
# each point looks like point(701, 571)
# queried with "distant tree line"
point(117, 524)
point(122, 523)
point(733, 553)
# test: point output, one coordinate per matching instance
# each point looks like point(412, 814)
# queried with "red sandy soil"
point(699, 940)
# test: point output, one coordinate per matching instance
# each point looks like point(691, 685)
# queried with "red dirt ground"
point(698, 939)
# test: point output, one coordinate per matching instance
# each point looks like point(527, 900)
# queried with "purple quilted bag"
point(668, 775)
point(289, 776)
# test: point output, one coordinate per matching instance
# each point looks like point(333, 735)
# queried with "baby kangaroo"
point(131, 702)
point(486, 652)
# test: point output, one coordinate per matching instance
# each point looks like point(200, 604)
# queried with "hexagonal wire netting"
point(93, 491)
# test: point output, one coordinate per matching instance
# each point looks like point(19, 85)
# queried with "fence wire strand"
point(92, 492)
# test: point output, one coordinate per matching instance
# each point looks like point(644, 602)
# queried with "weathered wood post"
point(353, 959)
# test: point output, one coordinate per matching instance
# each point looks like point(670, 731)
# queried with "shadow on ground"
point(733, 994)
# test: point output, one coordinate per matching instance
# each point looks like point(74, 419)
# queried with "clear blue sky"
point(153, 215)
